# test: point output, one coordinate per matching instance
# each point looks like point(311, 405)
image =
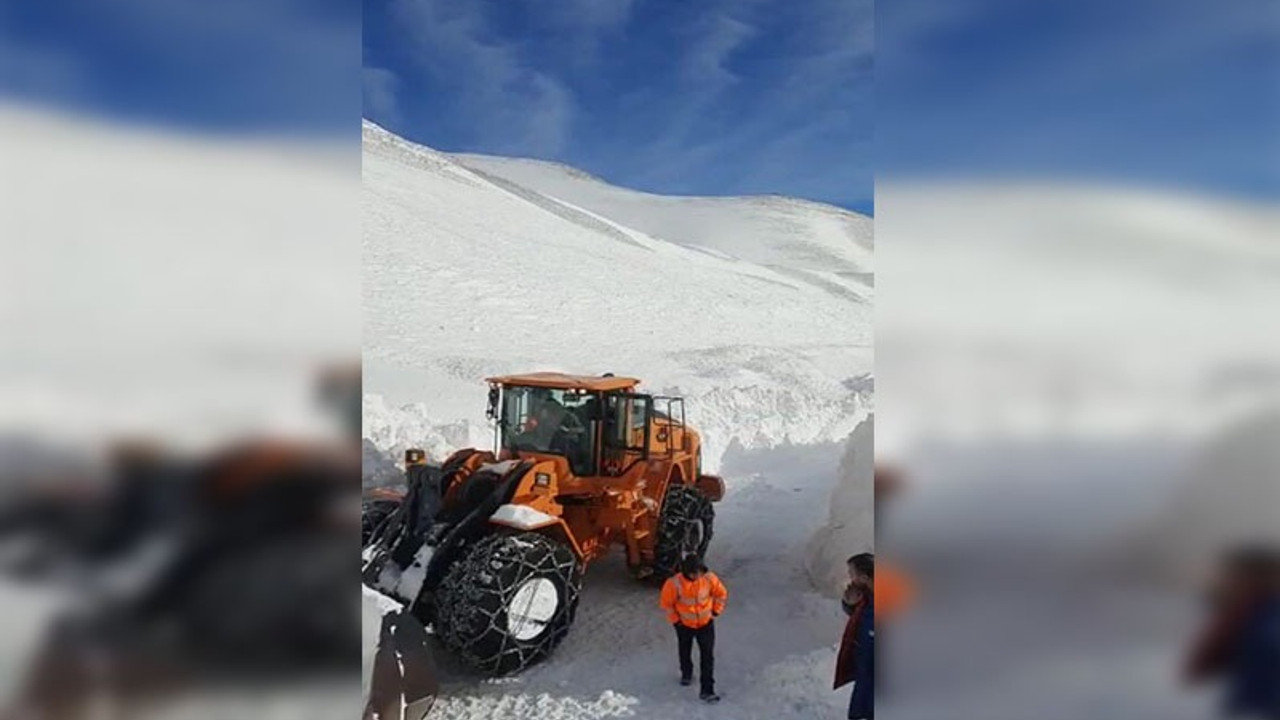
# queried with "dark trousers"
point(862, 701)
point(706, 637)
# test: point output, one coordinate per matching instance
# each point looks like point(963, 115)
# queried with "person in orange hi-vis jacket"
point(894, 592)
point(693, 598)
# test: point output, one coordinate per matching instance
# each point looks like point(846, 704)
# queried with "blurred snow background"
point(1081, 413)
point(177, 263)
point(1076, 224)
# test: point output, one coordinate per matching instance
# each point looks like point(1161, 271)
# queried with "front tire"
point(509, 602)
point(684, 526)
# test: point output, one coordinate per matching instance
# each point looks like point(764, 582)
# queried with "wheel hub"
point(532, 608)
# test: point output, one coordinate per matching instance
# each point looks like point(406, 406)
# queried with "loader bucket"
point(400, 677)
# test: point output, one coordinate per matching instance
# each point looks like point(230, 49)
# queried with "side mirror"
point(492, 411)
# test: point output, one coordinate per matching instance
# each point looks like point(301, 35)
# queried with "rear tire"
point(509, 602)
point(685, 525)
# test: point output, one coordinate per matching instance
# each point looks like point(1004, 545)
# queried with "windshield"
point(548, 420)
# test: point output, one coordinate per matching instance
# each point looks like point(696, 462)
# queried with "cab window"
point(628, 422)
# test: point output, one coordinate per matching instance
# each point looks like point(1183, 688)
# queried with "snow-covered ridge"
point(543, 172)
point(785, 233)
point(764, 327)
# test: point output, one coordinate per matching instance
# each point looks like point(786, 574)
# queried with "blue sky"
point(1179, 93)
point(277, 66)
point(713, 97)
point(702, 96)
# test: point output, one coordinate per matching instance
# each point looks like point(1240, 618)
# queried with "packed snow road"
point(775, 644)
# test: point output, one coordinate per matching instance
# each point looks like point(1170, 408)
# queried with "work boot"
point(710, 697)
point(686, 681)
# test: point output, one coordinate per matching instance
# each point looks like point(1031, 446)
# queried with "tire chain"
point(474, 596)
point(682, 504)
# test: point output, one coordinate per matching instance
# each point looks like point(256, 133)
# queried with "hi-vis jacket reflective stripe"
point(693, 603)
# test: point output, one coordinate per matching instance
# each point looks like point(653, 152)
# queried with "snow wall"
point(1230, 497)
point(850, 526)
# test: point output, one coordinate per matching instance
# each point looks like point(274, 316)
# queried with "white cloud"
point(788, 111)
point(584, 27)
point(379, 90)
point(816, 95)
point(705, 66)
point(549, 116)
point(515, 109)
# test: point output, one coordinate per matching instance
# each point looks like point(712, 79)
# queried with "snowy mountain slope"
point(466, 277)
point(817, 243)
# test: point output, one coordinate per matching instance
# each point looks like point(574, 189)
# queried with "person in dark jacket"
point(1240, 642)
point(856, 660)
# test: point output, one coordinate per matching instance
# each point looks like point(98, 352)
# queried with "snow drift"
point(1229, 497)
point(850, 528)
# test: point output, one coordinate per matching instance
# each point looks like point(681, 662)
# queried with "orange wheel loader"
point(489, 548)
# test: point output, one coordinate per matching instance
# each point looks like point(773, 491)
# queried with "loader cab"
point(600, 425)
